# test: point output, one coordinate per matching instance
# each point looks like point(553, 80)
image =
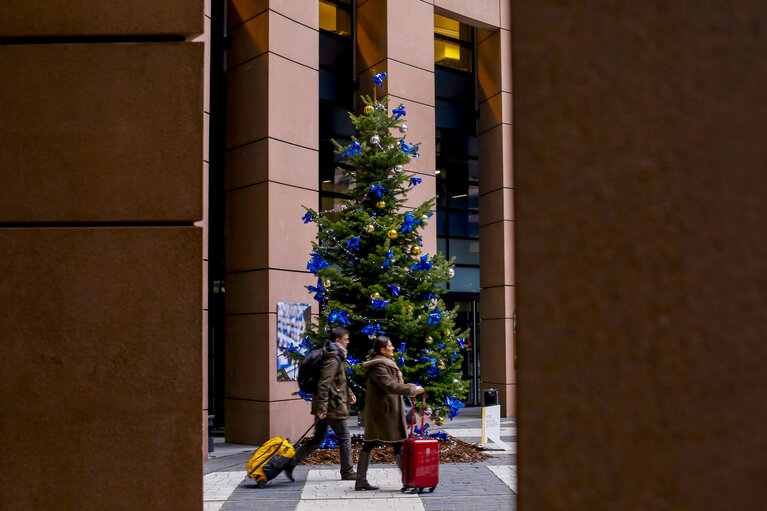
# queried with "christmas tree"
point(372, 275)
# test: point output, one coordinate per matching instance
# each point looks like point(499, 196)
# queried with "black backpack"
point(310, 370)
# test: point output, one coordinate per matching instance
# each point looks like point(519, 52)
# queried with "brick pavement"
point(486, 486)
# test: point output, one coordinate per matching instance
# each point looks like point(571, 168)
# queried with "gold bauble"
point(439, 421)
point(380, 204)
point(441, 364)
point(392, 234)
point(375, 296)
point(369, 110)
point(416, 250)
point(326, 283)
point(369, 228)
point(409, 310)
point(429, 340)
point(447, 332)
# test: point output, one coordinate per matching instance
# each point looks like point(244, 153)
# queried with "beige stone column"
point(640, 213)
point(272, 169)
point(100, 190)
point(398, 38)
point(496, 212)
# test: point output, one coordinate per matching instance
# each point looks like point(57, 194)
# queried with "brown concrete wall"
point(641, 276)
point(272, 169)
point(101, 187)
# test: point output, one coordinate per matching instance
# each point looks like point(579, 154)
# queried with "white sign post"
point(491, 426)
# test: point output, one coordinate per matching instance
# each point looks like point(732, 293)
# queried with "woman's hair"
point(379, 343)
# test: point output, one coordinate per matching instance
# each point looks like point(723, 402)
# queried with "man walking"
point(331, 405)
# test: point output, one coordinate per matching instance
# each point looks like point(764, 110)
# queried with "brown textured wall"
point(101, 186)
point(640, 254)
point(24, 18)
point(101, 368)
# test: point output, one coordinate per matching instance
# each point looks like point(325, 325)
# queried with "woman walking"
point(384, 414)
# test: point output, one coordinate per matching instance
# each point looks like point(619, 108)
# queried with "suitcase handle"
point(412, 418)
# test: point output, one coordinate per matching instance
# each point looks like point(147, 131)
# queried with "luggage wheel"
point(261, 484)
point(431, 490)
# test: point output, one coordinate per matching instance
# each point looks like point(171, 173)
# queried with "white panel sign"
point(491, 426)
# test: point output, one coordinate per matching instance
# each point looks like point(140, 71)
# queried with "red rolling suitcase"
point(420, 460)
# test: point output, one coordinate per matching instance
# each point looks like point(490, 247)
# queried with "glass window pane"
point(441, 227)
point(465, 280)
point(473, 197)
point(463, 223)
point(451, 28)
point(452, 55)
point(442, 246)
point(464, 251)
point(334, 19)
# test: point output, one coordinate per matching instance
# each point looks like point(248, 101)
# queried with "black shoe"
point(289, 472)
point(363, 484)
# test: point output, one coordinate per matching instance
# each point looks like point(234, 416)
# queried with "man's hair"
point(337, 333)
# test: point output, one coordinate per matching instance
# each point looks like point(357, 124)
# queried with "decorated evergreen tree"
point(372, 275)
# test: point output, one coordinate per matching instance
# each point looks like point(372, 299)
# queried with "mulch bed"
point(452, 451)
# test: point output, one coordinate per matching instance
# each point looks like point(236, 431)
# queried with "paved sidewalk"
point(485, 486)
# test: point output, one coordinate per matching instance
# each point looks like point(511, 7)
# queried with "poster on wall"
point(292, 320)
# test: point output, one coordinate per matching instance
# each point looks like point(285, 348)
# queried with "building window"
point(456, 148)
point(335, 17)
point(337, 91)
point(452, 44)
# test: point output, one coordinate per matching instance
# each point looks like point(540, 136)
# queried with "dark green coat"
point(332, 397)
point(384, 414)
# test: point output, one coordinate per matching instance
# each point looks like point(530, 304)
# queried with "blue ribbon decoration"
point(399, 112)
point(389, 254)
point(414, 181)
point(435, 317)
point(411, 149)
point(306, 345)
point(353, 243)
point(385, 264)
point(427, 296)
point(308, 217)
point(378, 304)
point(461, 342)
point(330, 442)
point(351, 361)
point(423, 265)
point(373, 330)
point(377, 189)
point(339, 317)
point(453, 406)
point(409, 223)
point(441, 346)
point(394, 290)
point(402, 354)
point(320, 296)
point(352, 150)
point(304, 395)
point(379, 79)
point(317, 263)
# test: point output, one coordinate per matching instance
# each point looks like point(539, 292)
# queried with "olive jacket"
point(332, 397)
point(384, 413)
